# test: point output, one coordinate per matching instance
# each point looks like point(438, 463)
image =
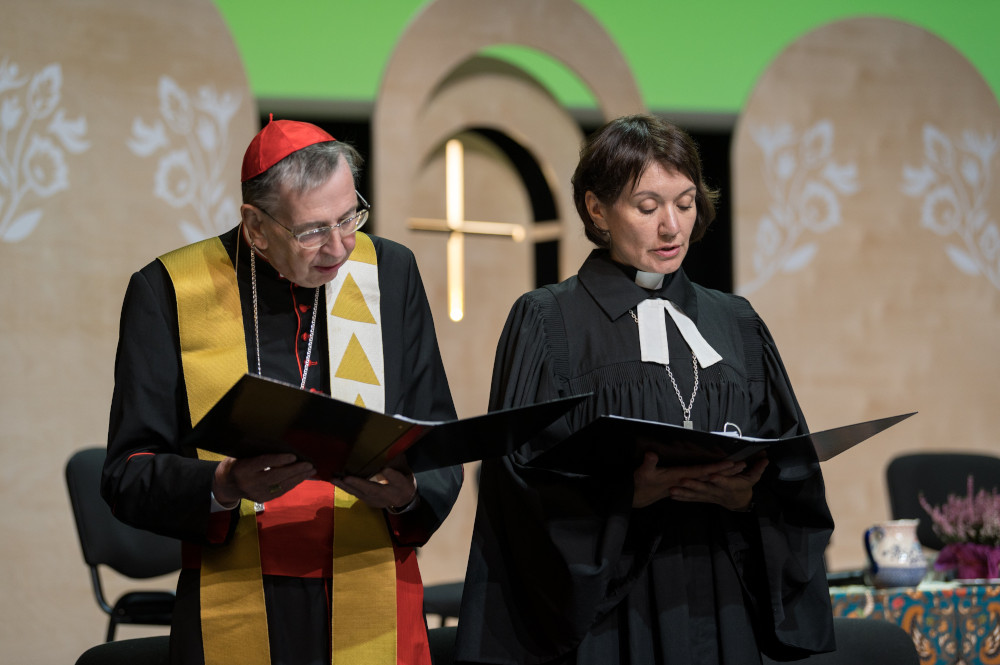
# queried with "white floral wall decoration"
point(954, 182)
point(34, 136)
point(192, 137)
point(804, 184)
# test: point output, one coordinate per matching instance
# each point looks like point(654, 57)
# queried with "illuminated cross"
point(456, 227)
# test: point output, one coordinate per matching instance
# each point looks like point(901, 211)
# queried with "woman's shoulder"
point(736, 305)
point(548, 300)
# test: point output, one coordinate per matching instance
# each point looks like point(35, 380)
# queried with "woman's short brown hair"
point(616, 155)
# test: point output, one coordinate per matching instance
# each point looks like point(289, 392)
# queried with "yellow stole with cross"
point(213, 358)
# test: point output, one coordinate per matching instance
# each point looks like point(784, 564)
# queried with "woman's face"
point(650, 226)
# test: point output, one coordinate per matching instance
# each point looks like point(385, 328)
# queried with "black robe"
point(169, 492)
point(563, 570)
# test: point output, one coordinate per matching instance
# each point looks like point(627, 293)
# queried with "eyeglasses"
point(318, 237)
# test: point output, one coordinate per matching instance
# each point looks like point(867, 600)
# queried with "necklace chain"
point(677, 391)
point(256, 325)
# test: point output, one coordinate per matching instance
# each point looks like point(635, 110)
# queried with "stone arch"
point(448, 33)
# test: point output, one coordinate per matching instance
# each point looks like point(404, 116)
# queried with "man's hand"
point(259, 478)
point(388, 488)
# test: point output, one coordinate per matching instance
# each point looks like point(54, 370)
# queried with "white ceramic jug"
point(895, 554)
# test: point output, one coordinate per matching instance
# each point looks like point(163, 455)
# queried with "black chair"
point(442, 642)
point(865, 641)
point(144, 650)
point(851, 577)
point(130, 552)
point(443, 600)
point(858, 641)
point(156, 650)
point(935, 475)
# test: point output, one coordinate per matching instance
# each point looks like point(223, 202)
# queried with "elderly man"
point(279, 567)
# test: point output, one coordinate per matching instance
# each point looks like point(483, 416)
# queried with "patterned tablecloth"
point(950, 623)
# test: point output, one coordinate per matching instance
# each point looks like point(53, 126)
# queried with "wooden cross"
point(456, 226)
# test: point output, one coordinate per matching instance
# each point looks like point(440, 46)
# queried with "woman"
point(715, 563)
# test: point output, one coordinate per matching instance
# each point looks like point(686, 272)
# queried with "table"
point(951, 623)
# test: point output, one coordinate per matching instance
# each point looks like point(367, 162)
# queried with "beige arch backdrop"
point(436, 87)
point(122, 136)
point(866, 235)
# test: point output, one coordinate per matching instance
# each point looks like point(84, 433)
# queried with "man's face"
point(325, 205)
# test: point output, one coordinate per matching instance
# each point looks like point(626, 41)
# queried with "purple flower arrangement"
point(970, 528)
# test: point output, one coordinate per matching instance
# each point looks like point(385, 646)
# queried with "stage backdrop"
point(437, 90)
point(866, 235)
point(122, 128)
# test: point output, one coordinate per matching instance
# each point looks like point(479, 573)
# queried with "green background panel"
point(695, 57)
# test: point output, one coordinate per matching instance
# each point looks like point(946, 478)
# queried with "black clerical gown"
point(562, 569)
point(169, 492)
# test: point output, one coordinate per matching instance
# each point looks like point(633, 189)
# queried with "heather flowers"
point(970, 528)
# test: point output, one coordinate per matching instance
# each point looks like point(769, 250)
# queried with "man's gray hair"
point(300, 171)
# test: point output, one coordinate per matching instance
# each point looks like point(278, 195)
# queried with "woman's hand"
point(728, 484)
point(733, 491)
point(259, 478)
point(388, 488)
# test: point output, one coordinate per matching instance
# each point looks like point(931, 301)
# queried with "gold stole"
point(213, 357)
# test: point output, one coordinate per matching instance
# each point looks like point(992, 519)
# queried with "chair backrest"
point(104, 539)
point(936, 475)
point(865, 640)
point(442, 643)
point(145, 650)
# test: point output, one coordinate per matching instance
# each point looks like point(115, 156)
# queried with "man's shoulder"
point(225, 242)
point(153, 272)
point(156, 272)
point(392, 255)
point(390, 248)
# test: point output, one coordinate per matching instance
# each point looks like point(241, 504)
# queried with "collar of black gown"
point(613, 286)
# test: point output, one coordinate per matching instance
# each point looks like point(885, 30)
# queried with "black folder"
point(259, 415)
point(616, 441)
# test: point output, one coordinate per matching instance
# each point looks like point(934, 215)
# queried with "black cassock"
point(563, 570)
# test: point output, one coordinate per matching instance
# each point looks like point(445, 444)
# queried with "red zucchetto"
point(278, 140)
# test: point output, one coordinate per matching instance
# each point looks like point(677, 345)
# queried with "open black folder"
point(616, 441)
point(259, 415)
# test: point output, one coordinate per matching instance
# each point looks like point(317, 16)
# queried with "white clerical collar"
point(649, 280)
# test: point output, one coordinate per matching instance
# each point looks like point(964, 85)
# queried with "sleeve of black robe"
point(148, 481)
point(416, 384)
point(792, 517)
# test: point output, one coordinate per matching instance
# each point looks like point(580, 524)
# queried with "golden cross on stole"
point(456, 227)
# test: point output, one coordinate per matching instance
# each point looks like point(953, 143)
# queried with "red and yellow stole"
point(214, 357)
